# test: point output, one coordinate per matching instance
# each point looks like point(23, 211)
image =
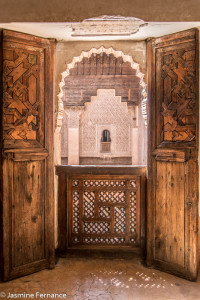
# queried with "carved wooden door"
point(173, 144)
point(27, 154)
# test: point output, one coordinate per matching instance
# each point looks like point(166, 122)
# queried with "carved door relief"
point(23, 98)
point(27, 185)
point(173, 145)
point(175, 89)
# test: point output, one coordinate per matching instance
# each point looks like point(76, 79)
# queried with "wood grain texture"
point(1, 163)
point(169, 223)
point(28, 209)
point(27, 147)
point(173, 145)
point(62, 212)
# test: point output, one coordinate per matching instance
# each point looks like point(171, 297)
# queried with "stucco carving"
point(105, 111)
point(107, 25)
point(73, 114)
point(64, 136)
point(126, 58)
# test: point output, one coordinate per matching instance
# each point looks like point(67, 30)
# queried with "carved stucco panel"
point(73, 114)
point(126, 58)
point(64, 136)
point(105, 111)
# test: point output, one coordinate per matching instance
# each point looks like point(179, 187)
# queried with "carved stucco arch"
point(88, 54)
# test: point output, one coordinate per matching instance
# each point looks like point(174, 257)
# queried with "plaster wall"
point(73, 11)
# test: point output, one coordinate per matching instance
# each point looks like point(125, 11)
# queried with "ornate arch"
point(121, 64)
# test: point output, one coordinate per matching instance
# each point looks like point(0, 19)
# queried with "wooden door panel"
point(27, 154)
point(173, 153)
point(28, 208)
point(169, 219)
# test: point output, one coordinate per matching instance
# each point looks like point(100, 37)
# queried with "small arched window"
point(105, 136)
point(105, 141)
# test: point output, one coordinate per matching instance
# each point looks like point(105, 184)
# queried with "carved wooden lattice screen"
point(104, 210)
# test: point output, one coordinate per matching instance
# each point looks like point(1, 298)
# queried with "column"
point(73, 134)
point(134, 135)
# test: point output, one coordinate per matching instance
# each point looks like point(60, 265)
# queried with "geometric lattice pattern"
point(132, 241)
point(104, 210)
point(88, 203)
point(112, 196)
point(103, 183)
point(120, 220)
point(100, 227)
point(75, 209)
point(75, 183)
point(177, 86)
point(75, 239)
point(104, 240)
point(133, 212)
point(21, 76)
point(133, 183)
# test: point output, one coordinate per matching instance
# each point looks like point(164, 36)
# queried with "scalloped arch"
point(88, 54)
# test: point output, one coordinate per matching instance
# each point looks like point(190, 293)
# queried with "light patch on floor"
point(104, 279)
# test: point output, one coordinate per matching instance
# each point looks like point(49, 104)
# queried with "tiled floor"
point(90, 278)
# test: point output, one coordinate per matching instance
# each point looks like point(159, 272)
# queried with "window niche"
point(105, 142)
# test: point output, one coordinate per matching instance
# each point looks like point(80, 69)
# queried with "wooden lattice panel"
point(104, 210)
